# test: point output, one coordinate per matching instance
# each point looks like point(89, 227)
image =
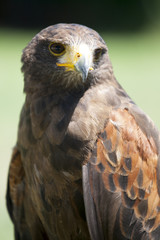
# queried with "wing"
point(121, 182)
point(15, 191)
point(27, 225)
point(19, 207)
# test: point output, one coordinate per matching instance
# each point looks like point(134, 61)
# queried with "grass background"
point(136, 61)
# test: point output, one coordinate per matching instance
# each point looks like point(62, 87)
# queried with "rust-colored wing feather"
point(126, 160)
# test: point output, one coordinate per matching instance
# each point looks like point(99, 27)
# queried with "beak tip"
point(83, 70)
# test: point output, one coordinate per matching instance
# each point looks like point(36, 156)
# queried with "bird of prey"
point(86, 164)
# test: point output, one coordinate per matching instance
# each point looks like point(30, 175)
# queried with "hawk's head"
point(66, 55)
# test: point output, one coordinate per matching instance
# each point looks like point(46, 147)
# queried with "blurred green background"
point(131, 30)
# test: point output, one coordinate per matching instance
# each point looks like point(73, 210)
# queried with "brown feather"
point(16, 177)
point(135, 164)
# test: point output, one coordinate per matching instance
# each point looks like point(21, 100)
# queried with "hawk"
point(86, 164)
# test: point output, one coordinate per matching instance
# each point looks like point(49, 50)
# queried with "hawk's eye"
point(56, 49)
point(98, 53)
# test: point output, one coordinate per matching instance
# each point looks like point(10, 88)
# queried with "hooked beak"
point(83, 67)
point(79, 60)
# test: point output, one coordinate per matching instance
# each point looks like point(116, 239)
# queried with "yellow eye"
point(56, 49)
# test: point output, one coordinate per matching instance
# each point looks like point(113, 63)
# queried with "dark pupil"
point(57, 48)
point(98, 53)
